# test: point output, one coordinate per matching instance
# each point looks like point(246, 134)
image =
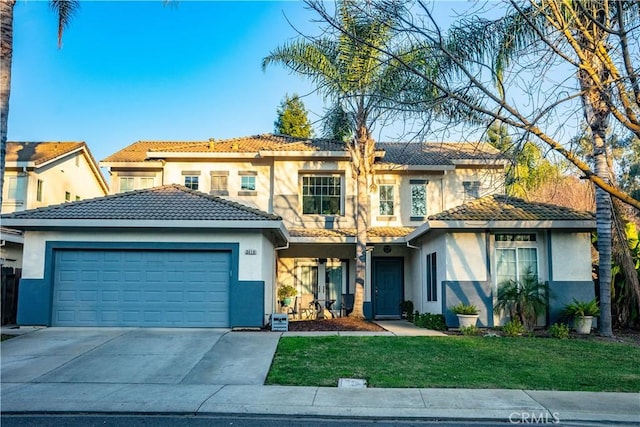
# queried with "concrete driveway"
point(138, 356)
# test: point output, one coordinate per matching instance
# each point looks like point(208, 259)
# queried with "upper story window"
point(39, 187)
point(126, 184)
point(191, 179)
point(418, 199)
point(321, 195)
point(247, 183)
point(219, 183)
point(130, 183)
point(14, 186)
point(191, 182)
point(471, 190)
point(386, 199)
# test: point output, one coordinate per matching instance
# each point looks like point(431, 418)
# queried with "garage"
point(141, 288)
point(161, 257)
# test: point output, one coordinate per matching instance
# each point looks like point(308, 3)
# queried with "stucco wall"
point(466, 257)
point(63, 175)
point(571, 255)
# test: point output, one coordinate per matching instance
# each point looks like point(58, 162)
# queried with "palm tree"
point(525, 300)
point(64, 10)
point(352, 74)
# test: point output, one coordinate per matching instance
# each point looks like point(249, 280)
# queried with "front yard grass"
point(458, 362)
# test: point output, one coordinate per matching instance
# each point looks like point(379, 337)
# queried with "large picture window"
point(321, 195)
point(516, 263)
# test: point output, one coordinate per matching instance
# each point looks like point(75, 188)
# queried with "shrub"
point(407, 307)
point(435, 322)
point(514, 328)
point(582, 308)
point(524, 300)
point(559, 330)
point(463, 308)
point(470, 330)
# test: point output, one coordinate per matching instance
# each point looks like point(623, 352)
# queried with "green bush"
point(514, 328)
point(524, 300)
point(582, 308)
point(469, 330)
point(463, 308)
point(559, 330)
point(435, 322)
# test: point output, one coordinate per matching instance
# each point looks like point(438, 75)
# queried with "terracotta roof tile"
point(436, 153)
point(396, 153)
point(39, 152)
point(138, 151)
point(505, 208)
point(169, 202)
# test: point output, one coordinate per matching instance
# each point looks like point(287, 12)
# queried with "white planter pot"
point(466, 320)
point(583, 324)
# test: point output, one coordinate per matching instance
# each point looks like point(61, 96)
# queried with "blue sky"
point(141, 70)
point(132, 71)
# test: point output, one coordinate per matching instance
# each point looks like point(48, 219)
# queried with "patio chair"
point(303, 307)
point(346, 305)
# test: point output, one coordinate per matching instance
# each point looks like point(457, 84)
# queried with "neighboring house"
point(40, 174)
point(413, 253)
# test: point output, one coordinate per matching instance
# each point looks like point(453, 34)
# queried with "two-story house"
point(40, 174)
point(273, 210)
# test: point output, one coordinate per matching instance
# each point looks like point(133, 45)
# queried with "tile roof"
point(396, 153)
point(505, 208)
point(39, 152)
point(435, 153)
point(137, 152)
point(350, 232)
point(169, 202)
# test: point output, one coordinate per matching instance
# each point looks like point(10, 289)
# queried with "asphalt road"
point(73, 420)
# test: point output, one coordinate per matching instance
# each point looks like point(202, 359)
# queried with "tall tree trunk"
point(362, 201)
point(6, 54)
point(603, 228)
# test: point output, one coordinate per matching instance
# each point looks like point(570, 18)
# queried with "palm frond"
point(65, 9)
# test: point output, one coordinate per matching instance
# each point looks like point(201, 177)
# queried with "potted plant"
point(467, 314)
point(285, 292)
point(582, 313)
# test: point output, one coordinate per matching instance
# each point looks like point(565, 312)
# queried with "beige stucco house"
point(40, 174)
point(418, 249)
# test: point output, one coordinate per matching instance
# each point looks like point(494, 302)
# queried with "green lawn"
point(463, 362)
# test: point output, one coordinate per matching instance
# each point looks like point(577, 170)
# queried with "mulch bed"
point(337, 324)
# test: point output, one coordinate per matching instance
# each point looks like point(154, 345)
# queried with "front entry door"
point(387, 284)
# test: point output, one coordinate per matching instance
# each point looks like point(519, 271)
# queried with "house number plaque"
point(250, 251)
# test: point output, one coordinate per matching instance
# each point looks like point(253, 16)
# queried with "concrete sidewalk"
point(168, 371)
point(432, 404)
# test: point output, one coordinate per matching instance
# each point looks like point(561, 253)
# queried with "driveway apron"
point(138, 356)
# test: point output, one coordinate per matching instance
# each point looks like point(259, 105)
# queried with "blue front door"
point(387, 282)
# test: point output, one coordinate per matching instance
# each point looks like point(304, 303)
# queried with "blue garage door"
point(141, 288)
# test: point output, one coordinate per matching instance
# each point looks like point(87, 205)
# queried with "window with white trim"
point(386, 192)
point(191, 181)
point(127, 183)
point(248, 183)
point(39, 186)
point(321, 195)
point(516, 257)
point(418, 201)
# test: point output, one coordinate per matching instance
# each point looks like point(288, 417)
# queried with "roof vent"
point(211, 143)
point(235, 146)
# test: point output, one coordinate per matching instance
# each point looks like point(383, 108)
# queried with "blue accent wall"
point(35, 296)
point(475, 293)
point(247, 304)
point(562, 293)
point(367, 308)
